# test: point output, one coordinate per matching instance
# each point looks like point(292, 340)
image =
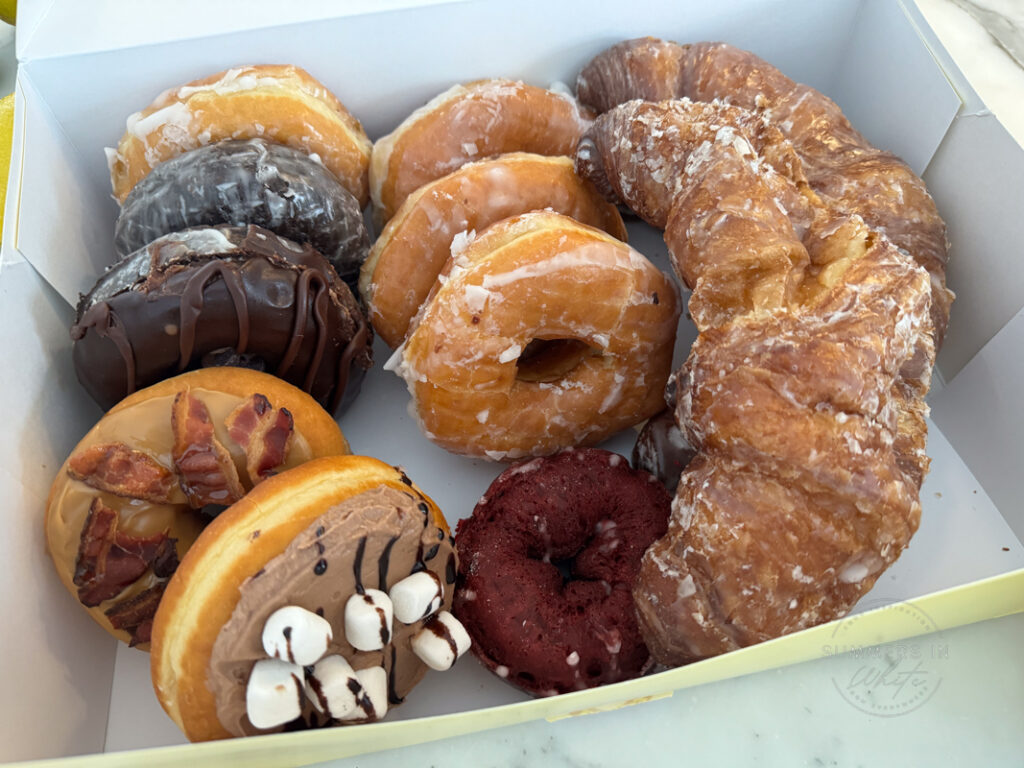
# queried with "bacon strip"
point(206, 470)
point(264, 432)
point(110, 560)
point(135, 615)
point(118, 469)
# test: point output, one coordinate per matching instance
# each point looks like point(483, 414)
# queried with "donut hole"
point(565, 568)
point(545, 360)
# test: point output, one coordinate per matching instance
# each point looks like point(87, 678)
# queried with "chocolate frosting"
point(222, 296)
point(371, 541)
point(248, 182)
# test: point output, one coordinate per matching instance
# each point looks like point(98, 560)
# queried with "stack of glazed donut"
point(476, 278)
point(215, 517)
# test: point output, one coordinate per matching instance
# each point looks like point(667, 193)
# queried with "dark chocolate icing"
point(662, 449)
point(248, 182)
point(221, 295)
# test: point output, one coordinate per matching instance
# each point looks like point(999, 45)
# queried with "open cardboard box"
point(71, 690)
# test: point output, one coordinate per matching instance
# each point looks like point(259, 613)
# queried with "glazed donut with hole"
point(543, 334)
point(411, 251)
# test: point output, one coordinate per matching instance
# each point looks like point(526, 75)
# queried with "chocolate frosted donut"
point(248, 182)
point(221, 296)
point(662, 449)
point(546, 566)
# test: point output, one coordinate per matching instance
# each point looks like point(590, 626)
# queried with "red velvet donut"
point(546, 566)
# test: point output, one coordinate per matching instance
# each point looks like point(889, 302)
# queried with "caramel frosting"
point(370, 541)
point(147, 426)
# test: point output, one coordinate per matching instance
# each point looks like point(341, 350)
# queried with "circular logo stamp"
point(888, 679)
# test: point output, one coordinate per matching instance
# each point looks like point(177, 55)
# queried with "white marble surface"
point(992, 72)
point(797, 716)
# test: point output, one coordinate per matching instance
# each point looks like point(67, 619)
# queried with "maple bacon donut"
point(512, 357)
point(280, 103)
point(140, 486)
point(413, 248)
point(470, 122)
point(319, 599)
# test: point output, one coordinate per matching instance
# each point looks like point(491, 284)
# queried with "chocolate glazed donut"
point(222, 296)
point(248, 182)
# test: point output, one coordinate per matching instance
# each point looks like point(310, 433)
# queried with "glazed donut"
point(413, 248)
point(470, 122)
point(333, 542)
point(237, 183)
point(510, 358)
point(840, 165)
point(281, 103)
point(134, 493)
point(546, 567)
point(221, 296)
point(803, 394)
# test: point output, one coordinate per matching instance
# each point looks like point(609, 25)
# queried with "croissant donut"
point(509, 358)
point(413, 248)
point(470, 122)
point(283, 104)
point(126, 503)
point(360, 562)
point(840, 165)
point(803, 394)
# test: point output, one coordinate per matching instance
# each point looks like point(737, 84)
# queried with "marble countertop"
point(800, 715)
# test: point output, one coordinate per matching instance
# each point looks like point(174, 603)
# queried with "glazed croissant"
point(803, 393)
point(839, 164)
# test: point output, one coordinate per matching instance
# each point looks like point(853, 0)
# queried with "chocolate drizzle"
point(393, 697)
point(437, 628)
point(357, 566)
point(383, 563)
point(191, 308)
point(238, 295)
point(104, 320)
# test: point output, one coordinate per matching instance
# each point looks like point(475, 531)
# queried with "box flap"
point(897, 69)
point(977, 180)
point(63, 27)
point(980, 411)
point(59, 680)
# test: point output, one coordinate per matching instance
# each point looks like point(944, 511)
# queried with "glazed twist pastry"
point(802, 394)
point(840, 165)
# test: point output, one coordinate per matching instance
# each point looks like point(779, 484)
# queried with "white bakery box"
point(68, 689)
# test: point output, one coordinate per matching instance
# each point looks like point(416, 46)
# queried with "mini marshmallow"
point(333, 687)
point(296, 635)
point(273, 695)
point(441, 641)
point(368, 620)
point(372, 702)
point(416, 597)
